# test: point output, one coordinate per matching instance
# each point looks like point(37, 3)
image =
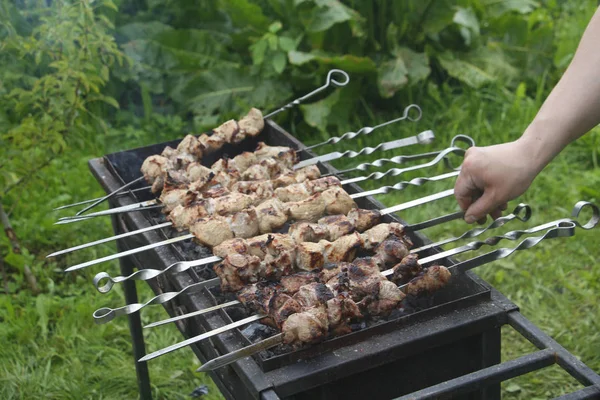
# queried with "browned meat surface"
point(225, 179)
point(211, 231)
point(309, 256)
point(286, 156)
point(337, 201)
point(341, 311)
point(196, 171)
point(272, 215)
point(243, 161)
point(336, 226)
point(172, 198)
point(364, 219)
point(190, 145)
point(310, 209)
point(210, 143)
point(405, 270)
point(257, 296)
point(261, 189)
point(229, 204)
point(215, 192)
point(313, 294)
point(293, 192)
point(182, 217)
point(292, 283)
point(359, 278)
point(384, 297)
point(154, 167)
point(237, 270)
point(432, 279)
point(252, 123)
point(280, 307)
point(307, 232)
point(229, 131)
point(308, 326)
point(237, 246)
point(311, 172)
point(343, 249)
point(277, 265)
point(224, 165)
point(244, 224)
point(390, 251)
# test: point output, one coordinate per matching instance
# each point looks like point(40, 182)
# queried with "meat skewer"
point(213, 282)
point(420, 284)
point(382, 190)
point(266, 189)
point(331, 80)
point(213, 231)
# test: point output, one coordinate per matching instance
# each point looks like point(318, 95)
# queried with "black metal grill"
point(445, 347)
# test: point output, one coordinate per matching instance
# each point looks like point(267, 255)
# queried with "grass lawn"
point(53, 349)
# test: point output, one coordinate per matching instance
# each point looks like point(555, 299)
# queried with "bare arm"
point(493, 175)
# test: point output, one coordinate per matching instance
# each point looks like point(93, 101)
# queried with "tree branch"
point(16, 248)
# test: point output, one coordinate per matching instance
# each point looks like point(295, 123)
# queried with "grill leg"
point(135, 324)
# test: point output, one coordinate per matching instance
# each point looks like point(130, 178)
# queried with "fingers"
point(465, 190)
point(483, 206)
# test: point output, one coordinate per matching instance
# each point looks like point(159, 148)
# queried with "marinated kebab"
point(190, 150)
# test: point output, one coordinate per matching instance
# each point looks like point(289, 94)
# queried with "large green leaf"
point(245, 13)
point(407, 67)
point(230, 92)
point(468, 24)
point(497, 8)
point(321, 15)
point(348, 62)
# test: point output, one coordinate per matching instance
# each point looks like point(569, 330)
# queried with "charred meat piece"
point(359, 278)
point(252, 123)
point(154, 167)
point(384, 297)
point(182, 217)
point(307, 232)
point(364, 219)
point(264, 170)
point(285, 155)
point(272, 215)
point(407, 269)
point(281, 307)
point(229, 131)
point(210, 143)
point(292, 283)
point(190, 145)
point(311, 172)
point(211, 231)
point(337, 226)
point(309, 256)
point(343, 249)
point(309, 209)
point(224, 165)
point(313, 294)
point(225, 179)
point(337, 201)
point(432, 279)
point(215, 192)
point(257, 295)
point(173, 198)
point(261, 189)
point(237, 270)
point(276, 266)
point(391, 250)
point(378, 234)
point(341, 311)
point(308, 326)
point(300, 191)
point(244, 224)
point(229, 204)
point(232, 246)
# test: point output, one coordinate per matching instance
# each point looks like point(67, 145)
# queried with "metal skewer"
point(150, 204)
point(492, 241)
point(471, 233)
point(564, 229)
point(92, 200)
point(330, 81)
point(368, 129)
point(399, 207)
point(382, 190)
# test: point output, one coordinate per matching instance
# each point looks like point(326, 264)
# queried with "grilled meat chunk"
point(154, 167)
point(300, 191)
point(373, 237)
point(277, 265)
point(229, 131)
point(405, 270)
point(272, 215)
point(433, 278)
point(211, 231)
point(252, 123)
point(363, 219)
point(341, 310)
point(244, 224)
point(308, 326)
point(313, 294)
point(261, 189)
point(309, 209)
point(244, 161)
point(337, 226)
point(291, 283)
point(182, 217)
point(233, 246)
point(307, 232)
point(225, 179)
point(309, 256)
point(280, 307)
point(172, 198)
point(237, 270)
point(343, 249)
point(310, 172)
point(338, 201)
point(198, 172)
point(190, 145)
point(384, 297)
point(391, 250)
point(229, 204)
point(210, 143)
point(286, 156)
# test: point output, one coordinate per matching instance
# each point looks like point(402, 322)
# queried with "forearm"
point(573, 107)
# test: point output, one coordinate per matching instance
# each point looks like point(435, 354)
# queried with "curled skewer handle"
point(562, 229)
point(368, 129)
point(522, 212)
point(399, 171)
point(105, 314)
point(331, 80)
point(147, 274)
point(594, 219)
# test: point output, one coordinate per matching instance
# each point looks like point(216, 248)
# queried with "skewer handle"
point(368, 129)
point(330, 80)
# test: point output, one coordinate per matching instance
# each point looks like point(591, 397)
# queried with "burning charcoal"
point(199, 391)
point(256, 332)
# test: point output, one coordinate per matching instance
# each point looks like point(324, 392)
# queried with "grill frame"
point(478, 320)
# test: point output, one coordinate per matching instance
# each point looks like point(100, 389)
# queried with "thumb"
point(465, 190)
point(482, 207)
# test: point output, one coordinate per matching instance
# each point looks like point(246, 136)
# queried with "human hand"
point(490, 177)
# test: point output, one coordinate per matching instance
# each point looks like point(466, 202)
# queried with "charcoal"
point(256, 332)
